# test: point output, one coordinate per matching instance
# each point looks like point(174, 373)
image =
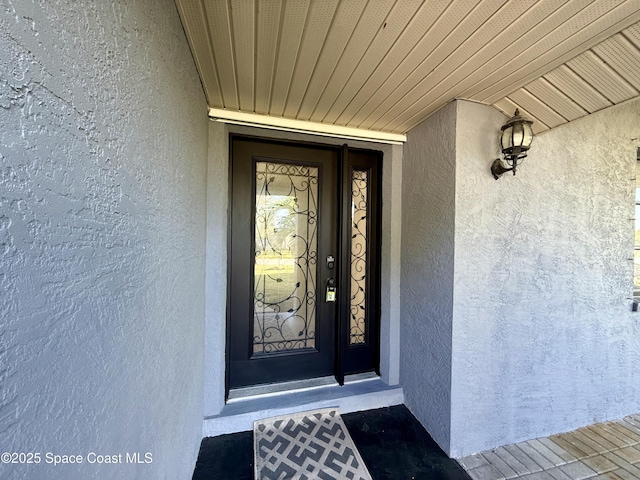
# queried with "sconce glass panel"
point(528, 136)
point(518, 135)
point(505, 139)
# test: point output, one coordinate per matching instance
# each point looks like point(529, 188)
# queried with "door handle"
point(331, 290)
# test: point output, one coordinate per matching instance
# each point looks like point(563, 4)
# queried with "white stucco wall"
point(427, 266)
point(103, 147)
point(543, 337)
point(516, 311)
point(217, 205)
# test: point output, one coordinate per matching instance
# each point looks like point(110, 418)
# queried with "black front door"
point(297, 307)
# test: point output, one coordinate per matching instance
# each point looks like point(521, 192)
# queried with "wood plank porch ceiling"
point(386, 65)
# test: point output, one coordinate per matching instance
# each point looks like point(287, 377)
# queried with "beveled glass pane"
point(357, 307)
point(286, 247)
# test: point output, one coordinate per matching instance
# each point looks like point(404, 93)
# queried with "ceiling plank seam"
point(378, 21)
point(571, 46)
point(380, 52)
point(276, 59)
point(317, 62)
point(397, 70)
point(296, 61)
point(472, 21)
point(422, 69)
point(440, 98)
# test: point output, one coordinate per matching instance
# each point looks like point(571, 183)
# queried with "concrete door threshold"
point(239, 415)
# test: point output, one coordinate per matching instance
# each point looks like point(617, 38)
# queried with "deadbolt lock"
point(330, 262)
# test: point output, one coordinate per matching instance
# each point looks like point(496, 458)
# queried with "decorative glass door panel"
point(286, 253)
point(358, 293)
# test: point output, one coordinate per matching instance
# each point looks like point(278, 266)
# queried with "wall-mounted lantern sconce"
point(515, 139)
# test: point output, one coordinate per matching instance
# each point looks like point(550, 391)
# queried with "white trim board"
point(301, 126)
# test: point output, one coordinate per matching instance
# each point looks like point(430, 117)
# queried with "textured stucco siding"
point(427, 266)
point(543, 336)
point(103, 147)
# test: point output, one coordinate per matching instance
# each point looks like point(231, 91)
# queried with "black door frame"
point(348, 359)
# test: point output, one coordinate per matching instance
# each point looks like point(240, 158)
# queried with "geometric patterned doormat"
point(306, 446)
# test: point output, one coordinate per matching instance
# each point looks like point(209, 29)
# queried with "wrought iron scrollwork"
point(286, 257)
point(359, 213)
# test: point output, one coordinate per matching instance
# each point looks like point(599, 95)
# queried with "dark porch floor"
point(391, 441)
